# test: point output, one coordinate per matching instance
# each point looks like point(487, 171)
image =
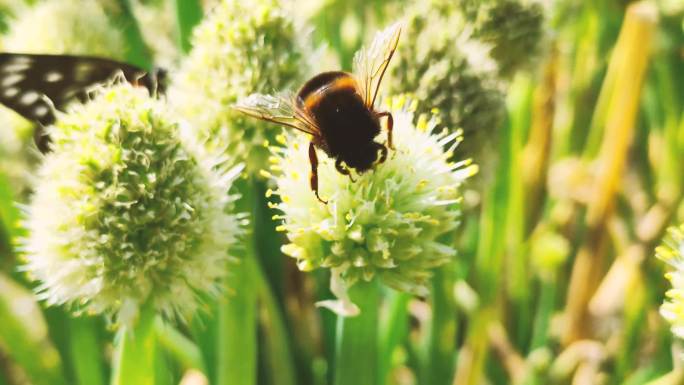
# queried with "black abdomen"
point(347, 125)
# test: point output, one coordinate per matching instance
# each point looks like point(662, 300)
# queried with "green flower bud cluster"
point(240, 48)
point(129, 210)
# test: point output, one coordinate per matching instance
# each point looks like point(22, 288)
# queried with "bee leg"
point(342, 169)
point(390, 126)
point(383, 152)
point(313, 177)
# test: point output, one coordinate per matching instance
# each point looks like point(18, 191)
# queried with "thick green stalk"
point(394, 330)
point(357, 338)
point(135, 356)
point(85, 351)
point(237, 330)
point(237, 336)
point(440, 353)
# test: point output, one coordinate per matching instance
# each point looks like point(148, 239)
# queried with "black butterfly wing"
point(35, 85)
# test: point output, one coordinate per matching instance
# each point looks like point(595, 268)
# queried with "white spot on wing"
point(29, 98)
point(11, 80)
point(82, 72)
point(41, 111)
point(11, 92)
point(20, 59)
point(53, 77)
point(16, 67)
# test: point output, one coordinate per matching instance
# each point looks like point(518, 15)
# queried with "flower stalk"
point(136, 350)
point(356, 354)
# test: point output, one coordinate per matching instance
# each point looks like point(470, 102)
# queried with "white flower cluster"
point(128, 210)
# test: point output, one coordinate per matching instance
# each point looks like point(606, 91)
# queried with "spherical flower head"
point(672, 253)
point(240, 48)
point(435, 63)
point(514, 32)
point(127, 211)
point(65, 27)
point(388, 223)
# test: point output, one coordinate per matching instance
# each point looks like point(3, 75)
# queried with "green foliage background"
point(556, 281)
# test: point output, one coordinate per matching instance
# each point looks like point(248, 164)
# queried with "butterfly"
point(35, 85)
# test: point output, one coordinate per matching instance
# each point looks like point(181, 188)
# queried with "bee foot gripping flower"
point(128, 211)
point(672, 253)
point(387, 224)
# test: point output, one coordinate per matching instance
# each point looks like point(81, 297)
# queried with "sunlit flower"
point(128, 211)
point(65, 27)
point(240, 48)
point(440, 64)
point(672, 252)
point(387, 224)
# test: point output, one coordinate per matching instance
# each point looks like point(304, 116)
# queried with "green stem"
point(440, 357)
point(135, 357)
point(280, 355)
point(357, 338)
point(545, 309)
point(181, 348)
point(237, 330)
point(85, 351)
point(237, 337)
point(188, 14)
point(394, 330)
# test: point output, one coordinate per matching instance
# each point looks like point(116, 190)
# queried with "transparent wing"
point(280, 109)
point(370, 63)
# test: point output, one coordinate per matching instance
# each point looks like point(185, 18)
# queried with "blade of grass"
point(23, 333)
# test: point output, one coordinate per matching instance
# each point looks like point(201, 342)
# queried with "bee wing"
point(280, 109)
point(370, 63)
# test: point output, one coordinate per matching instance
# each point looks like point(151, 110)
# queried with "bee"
point(337, 109)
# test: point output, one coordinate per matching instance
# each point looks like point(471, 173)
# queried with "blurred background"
point(574, 112)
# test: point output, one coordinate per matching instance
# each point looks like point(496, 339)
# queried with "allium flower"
point(128, 211)
point(672, 252)
point(514, 32)
point(65, 26)
point(387, 224)
point(435, 63)
point(240, 48)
